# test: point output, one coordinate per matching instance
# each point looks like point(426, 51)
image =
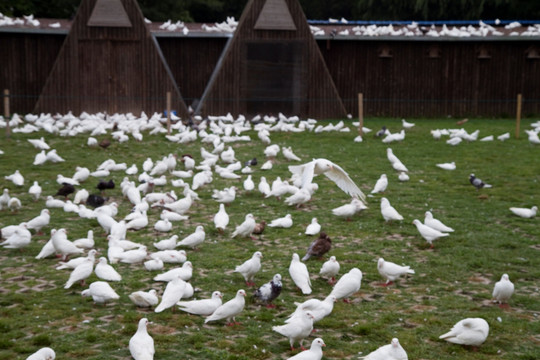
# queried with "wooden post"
point(518, 115)
point(168, 113)
point(6, 112)
point(361, 114)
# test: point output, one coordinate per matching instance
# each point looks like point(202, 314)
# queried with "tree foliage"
point(218, 10)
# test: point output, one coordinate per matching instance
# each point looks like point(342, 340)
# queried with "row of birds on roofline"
point(310, 169)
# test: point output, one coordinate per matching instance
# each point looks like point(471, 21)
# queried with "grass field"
point(452, 281)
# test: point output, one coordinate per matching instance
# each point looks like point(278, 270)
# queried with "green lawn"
point(452, 281)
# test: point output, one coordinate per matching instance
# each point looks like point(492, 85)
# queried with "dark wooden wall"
point(26, 60)
point(226, 93)
point(109, 69)
point(409, 83)
point(192, 62)
point(435, 78)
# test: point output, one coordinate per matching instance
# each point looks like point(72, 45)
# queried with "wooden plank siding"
point(411, 83)
point(26, 60)
point(227, 90)
point(109, 69)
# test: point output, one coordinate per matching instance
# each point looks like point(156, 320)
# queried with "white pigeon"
point(332, 171)
point(330, 268)
point(391, 271)
point(39, 144)
point(299, 198)
point(313, 353)
point(87, 242)
point(172, 294)
point(81, 196)
point(40, 221)
point(289, 154)
point(16, 178)
point(388, 212)
point(403, 177)
point(469, 331)
point(195, 239)
point(249, 185)
point(428, 233)
point(101, 292)
point(313, 228)
point(221, 218)
point(380, 185)
point(203, 307)
point(133, 256)
point(348, 210)
point(230, 309)
point(20, 238)
point(250, 267)
point(406, 125)
point(80, 273)
point(268, 164)
point(392, 351)
point(172, 216)
point(141, 345)
point(35, 190)
point(185, 272)
point(504, 136)
point(167, 244)
point(299, 274)
point(45, 353)
point(447, 166)
point(170, 256)
point(105, 271)
point(430, 221)
point(319, 309)
point(263, 187)
point(46, 251)
point(524, 212)
point(73, 263)
point(299, 328)
point(144, 298)
point(163, 225)
point(348, 284)
point(63, 246)
point(283, 222)
point(503, 290)
point(154, 264)
point(246, 228)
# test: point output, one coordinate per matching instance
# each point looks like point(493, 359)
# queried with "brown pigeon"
point(319, 246)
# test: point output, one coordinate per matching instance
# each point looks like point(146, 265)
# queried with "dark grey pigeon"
point(269, 291)
point(381, 132)
point(478, 183)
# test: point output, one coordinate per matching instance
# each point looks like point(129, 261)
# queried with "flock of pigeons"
point(143, 197)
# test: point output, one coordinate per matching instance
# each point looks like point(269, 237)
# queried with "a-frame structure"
point(109, 62)
point(271, 65)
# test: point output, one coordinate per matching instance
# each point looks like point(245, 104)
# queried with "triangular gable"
point(109, 68)
point(109, 13)
point(275, 15)
point(266, 71)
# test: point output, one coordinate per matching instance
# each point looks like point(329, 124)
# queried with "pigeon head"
point(395, 342)
point(380, 263)
point(217, 294)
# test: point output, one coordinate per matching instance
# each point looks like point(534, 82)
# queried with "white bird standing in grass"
point(173, 293)
point(297, 329)
point(313, 353)
point(428, 233)
point(392, 351)
point(332, 171)
point(313, 228)
point(330, 269)
point(221, 218)
point(299, 274)
point(81, 272)
point(348, 210)
point(141, 345)
point(35, 190)
point(430, 221)
point(195, 239)
point(503, 290)
point(388, 212)
point(447, 166)
point(144, 298)
point(203, 307)
point(45, 353)
point(250, 267)
point(348, 284)
point(524, 212)
point(230, 309)
point(101, 292)
point(380, 185)
point(246, 228)
point(469, 331)
point(391, 271)
point(105, 271)
point(283, 222)
point(407, 125)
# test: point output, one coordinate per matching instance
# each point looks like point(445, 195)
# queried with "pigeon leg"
point(332, 281)
point(347, 301)
point(270, 306)
point(504, 306)
point(388, 283)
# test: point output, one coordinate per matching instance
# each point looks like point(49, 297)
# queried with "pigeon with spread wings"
point(332, 171)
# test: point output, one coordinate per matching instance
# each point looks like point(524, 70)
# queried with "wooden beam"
point(518, 114)
point(6, 112)
point(361, 114)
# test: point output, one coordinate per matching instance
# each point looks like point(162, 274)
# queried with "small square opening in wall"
point(434, 52)
point(384, 51)
point(533, 52)
point(483, 53)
